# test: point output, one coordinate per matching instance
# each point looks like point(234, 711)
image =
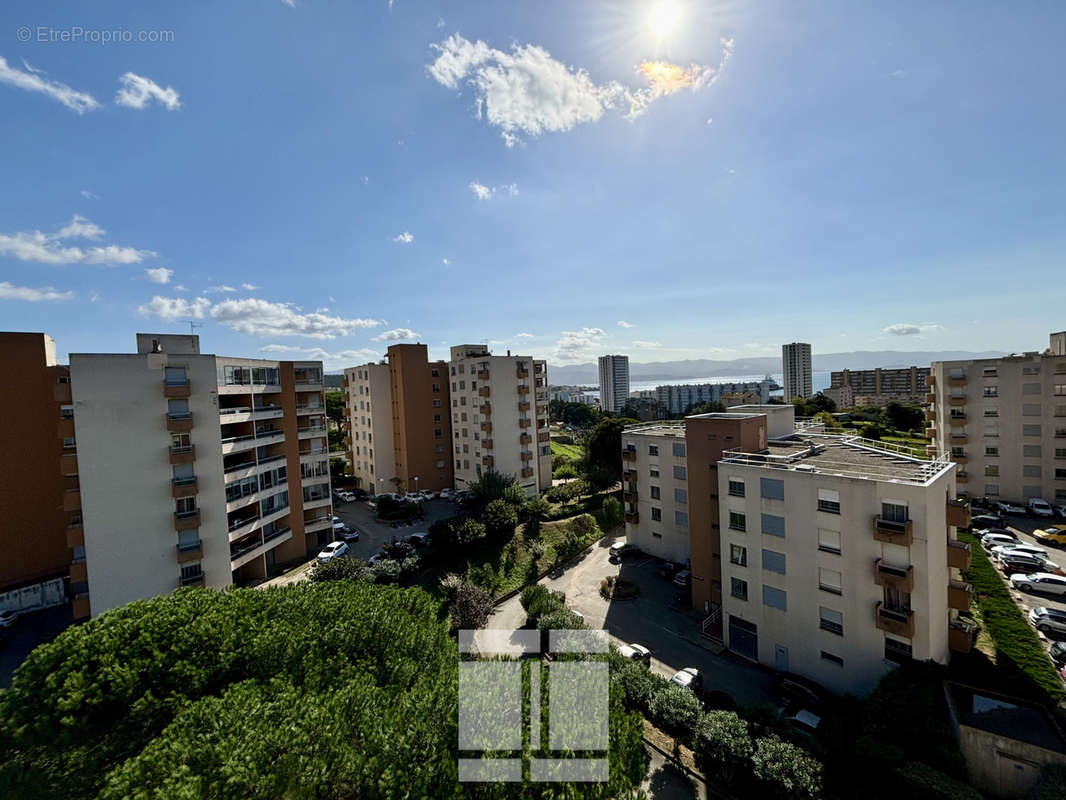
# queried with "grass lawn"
point(572, 451)
point(915, 443)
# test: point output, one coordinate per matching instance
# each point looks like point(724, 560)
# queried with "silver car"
point(1048, 620)
point(1039, 582)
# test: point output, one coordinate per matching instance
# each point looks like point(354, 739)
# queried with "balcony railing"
point(179, 423)
point(524, 422)
point(192, 551)
point(186, 520)
point(486, 427)
point(488, 461)
point(960, 595)
point(486, 444)
point(275, 534)
point(901, 578)
point(527, 472)
point(192, 580)
point(893, 531)
point(629, 475)
point(240, 523)
point(959, 555)
point(483, 375)
point(237, 552)
point(961, 635)
point(183, 487)
point(486, 409)
point(632, 517)
point(521, 373)
point(182, 454)
point(958, 512)
point(312, 429)
point(522, 389)
point(629, 455)
point(176, 389)
point(897, 621)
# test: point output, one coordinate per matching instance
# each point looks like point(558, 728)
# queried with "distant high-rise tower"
point(796, 364)
point(614, 382)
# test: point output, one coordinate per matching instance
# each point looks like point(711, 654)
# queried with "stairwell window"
point(829, 501)
point(736, 487)
point(737, 521)
point(738, 554)
point(738, 588)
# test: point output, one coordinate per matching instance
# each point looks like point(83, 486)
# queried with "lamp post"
point(416, 484)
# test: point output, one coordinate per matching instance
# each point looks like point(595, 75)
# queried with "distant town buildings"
point(677, 399)
point(877, 387)
point(1003, 421)
point(573, 394)
point(614, 382)
point(796, 366)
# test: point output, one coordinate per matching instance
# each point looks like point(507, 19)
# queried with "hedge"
point(919, 781)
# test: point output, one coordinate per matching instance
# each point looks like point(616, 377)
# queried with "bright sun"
point(664, 17)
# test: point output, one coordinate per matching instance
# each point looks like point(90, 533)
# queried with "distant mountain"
point(709, 368)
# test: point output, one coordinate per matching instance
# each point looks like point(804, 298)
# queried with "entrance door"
point(780, 658)
point(743, 638)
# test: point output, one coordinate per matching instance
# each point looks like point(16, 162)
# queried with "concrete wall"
point(1003, 767)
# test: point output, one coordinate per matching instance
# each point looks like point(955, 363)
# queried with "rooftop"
point(666, 427)
point(1006, 716)
point(849, 456)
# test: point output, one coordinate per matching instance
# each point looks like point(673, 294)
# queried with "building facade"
point(196, 469)
point(655, 489)
point(499, 407)
point(368, 426)
point(840, 558)
point(1003, 421)
point(796, 366)
point(677, 399)
point(614, 382)
point(877, 387)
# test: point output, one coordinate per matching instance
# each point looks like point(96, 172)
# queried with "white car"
point(682, 578)
point(1061, 511)
point(636, 652)
point(1019, 549)
point(1040, 507)
point(447, 494)
point(688, 678)
point(331, 551)
point(338, 525)
point(8, 617)
point(1039, 582)
point(991, 540)
point(347, 496)
point(429, 494)
point(414, 497)
point(1047, 620)
point(1010, 508)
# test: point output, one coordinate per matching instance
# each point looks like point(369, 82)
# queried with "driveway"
point(667, 781)
point(653, 619)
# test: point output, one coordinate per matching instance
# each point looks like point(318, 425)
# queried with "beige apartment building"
point(499, 417)
point(796, 368)
point(655, 489)
point(196, 469)
point(398, 427)
point(1003, 421)
point(840, 558)
point(877, 387)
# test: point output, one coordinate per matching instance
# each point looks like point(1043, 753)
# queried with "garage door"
point(743, 638)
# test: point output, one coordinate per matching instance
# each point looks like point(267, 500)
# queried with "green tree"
point(535, 511)
point(675, 709)
point(723, 745)
point(338, 569)
point(612, 513)
point(829, 421)
point(904, 417)
point(564, 471)
point(471, 607)
point(335, 408)
point(710, 407)
point(785, 770)
point(604, 446)
point(821, 403)
point(493, 485)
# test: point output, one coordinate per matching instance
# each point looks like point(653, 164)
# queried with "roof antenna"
point(193, 326)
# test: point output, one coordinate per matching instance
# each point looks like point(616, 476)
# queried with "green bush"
point(1051, 784)
point(784, 770)
point(723, 746)
point(921, 782)
point(387, 570)
point(338, 569)
point(639, 684)
point(560, 619)
point(564, 471)
point(676, 710)
point(612, 513)
point(500, 518)
point(471, 607)
point(563, 438)
point(538, 601)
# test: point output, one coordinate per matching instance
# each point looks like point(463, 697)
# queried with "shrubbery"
point(918, 781)
point(500, 518)
point(471, 607)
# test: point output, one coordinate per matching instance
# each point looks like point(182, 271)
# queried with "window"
point(177, 376)
point(679, 449)
point(1030, 409)
point(829, 501)
point(831, 620)
point(1030, 470)
point(1033, 370)
point(992, 471)
point(1030, 388)
point(738, 554)
point(186, 506)
point(1060, 474)
point(681, 518)
point(894, 512)
point(775, 598)
point(773, 525)
point(656, 514)
point(68, 442)
point(653, 450)
point(990, 372)
point(829, 541)
point(680, 474)
point(991, 391)
point(991, 412)
point(773, 561)
point(1030, 430)
point(67, 412)
point(992, 489)
point(772, 488)
point(654, 492)
point(737, 521)
point(736, 487)
point(653, 472)
point(897, 651)
point(681, 496)
point(1031, 450)
point(991, 452)
point(829, 580)
point(832, 659)
point(1060, 389)
point(738, 588)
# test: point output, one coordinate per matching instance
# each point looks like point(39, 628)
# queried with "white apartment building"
point(371, 454)
point(1003, 421)
point(499, 417)
point(839, 558)
point(677, 398)
point(196, 469)
point(614, 382)
point(796, 366)
point(657, 521)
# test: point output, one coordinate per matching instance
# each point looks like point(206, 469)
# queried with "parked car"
point(447, 494)
point(620, 550)
point(805, 719)
point(636, 652)
point(795, 691)
point(987, 521)
point(429, 494)
point(688, 678)
point(1039, 582)
point(1058, 653)
point(1019, 549)
point(1048, 620)
point(414, 497)
point(990, 540)
point(1039, 507)
point(669, 569)
point(1011, 510)
point(374, 559)
point(331, 551)
point(338, 524)
point(8, 617)
point(682, 579)
point(418, 539)
point(1054, 535)
point(1061, 511)
point(350, 535)
point(1011, 564)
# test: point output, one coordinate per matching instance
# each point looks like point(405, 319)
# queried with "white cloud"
point(526, 91)
point(33, 82)
point(404, 238)
point(523, 336)
point(249, 287)
point(264, 318)
point(396, 335)
point(643, 343)
point(623, 324)
point(580, 345)
point(11, 292)
point(483, 192)
point(220, 289)
point(180, 288)
point(365, 179)
point(138, 92)
point(159, 275)
point(289, 3)
point(910, 329)
point(89, 195)
point(331, 361)
point(174, 308)
point(445, 262)
point(49, 248)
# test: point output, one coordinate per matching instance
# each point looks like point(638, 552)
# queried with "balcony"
point(186, 520)
point(523, 405)
point(901, 578)
point(930, 432)
point(486, 444)
point(960, 595)
point(524, 422)
point(956, 380)
point(526, 455)
point(930, 415)
point(959, 437)
point(311, 409)
point(75, 535)
point(488, 461)
point(930, 450)
point(65, 428)
point(190, 552)
point(527, 472)
point(958, 513)
point(930, 398)
point(61, 392)
point(957, 419)
point(486, 427)
point(183, 487)
point(893, 532)
point(68, 464)
point(542, 422)
point(544, 438)
point(629, 475)
point(486, 409)
point(72, 499)
point(81, 606)
point(962, 477)
point(632, 517)
point(930, 380)
point(521, 373)
point(525, 438)
point(629, 497)
point(483, 375)
point(191, 580)
point(183, 454)
point(959, 554)
point(176, 389)
point(484, 391)
point(311, 431)
point(897, 621)
point(522, 389)
point(960, 458)
point(961, 635)
point(179, 423)
point(957, 400)
point(78, 572)
point(629, 455)
point(322, 523)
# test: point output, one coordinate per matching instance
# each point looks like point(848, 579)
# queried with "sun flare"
point(663, 18)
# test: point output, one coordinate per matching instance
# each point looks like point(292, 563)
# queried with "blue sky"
point(560, 178)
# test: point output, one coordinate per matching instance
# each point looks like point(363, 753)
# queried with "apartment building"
point(196, 469)
point(398, 425)
point(614, 382)
point(677, 399)
point(655, 489)
point(840, 558)
point(1003, 421)
point(499, 417)
point(40, 502)
point(796, 366)
point(877, 387)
